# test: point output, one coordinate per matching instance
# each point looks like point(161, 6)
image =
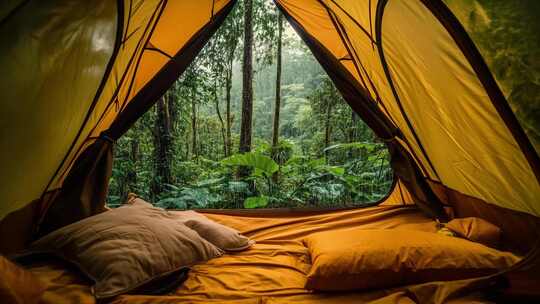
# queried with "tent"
point(76, 75)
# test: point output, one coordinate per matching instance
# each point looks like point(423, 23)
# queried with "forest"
point(253, 122)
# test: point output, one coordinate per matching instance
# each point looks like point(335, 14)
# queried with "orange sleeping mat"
point(274, 270)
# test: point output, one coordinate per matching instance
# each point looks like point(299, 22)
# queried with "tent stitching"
point(353, 20)
point(114, 97)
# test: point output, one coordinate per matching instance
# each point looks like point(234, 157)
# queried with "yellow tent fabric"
point(75, 72)
point(164, 41)
point(514, 50)
point(436, 98)
point(52, 66)
point(58, 92)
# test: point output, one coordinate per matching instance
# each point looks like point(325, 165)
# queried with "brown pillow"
point(128, 247)
point(477, 230)
point(223, 237)
point(365, 259)
point(18, 286)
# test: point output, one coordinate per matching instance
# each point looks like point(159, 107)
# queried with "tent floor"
point(274, 269)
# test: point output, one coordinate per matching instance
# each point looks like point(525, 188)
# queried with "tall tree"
point(326, 105)
point(218, 112)
point(173, 107)
point(162, 145)
point(277, 104)
point(194, 147)
point(247, 80)
point(353, 128)
point(191, 88)
point(126, 154)
point(131, 177)
point(231, 32)
point(228, 115)
point(218, 58)
point(328, 127)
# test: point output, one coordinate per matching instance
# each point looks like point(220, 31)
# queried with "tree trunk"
point(173, 110)
point(277, 105)
point(327, 128)
point(162, 146)
point(132, 173)
point(221, 122)
point(353, 133)
point(228, 117)
point(187, 145)
point(353, 130)
point(194, 148)
point(247, 79)
point(232, 44)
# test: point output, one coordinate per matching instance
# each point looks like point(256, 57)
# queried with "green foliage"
point(261, 164)
point(367, 146)
point(187, 197)
point(282, 152)
point(256, 202)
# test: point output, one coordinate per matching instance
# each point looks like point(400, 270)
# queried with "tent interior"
point(76, 76)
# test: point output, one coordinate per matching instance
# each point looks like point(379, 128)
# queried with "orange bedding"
point(274, 270)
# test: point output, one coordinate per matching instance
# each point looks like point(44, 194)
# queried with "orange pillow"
point(477, 230)
point(365, 259)
point(18, 285)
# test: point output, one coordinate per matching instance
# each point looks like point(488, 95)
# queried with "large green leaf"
point(201, 197)
point(253, 160)
point(336, 170)
point(354, 145)
point(210, 182)
point(237, 187)
point(171, 187)
point(317, 162)
point(256, 202)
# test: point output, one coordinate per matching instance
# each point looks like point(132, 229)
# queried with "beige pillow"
point(223, 237)
point(366, 259)
point(128, 247)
